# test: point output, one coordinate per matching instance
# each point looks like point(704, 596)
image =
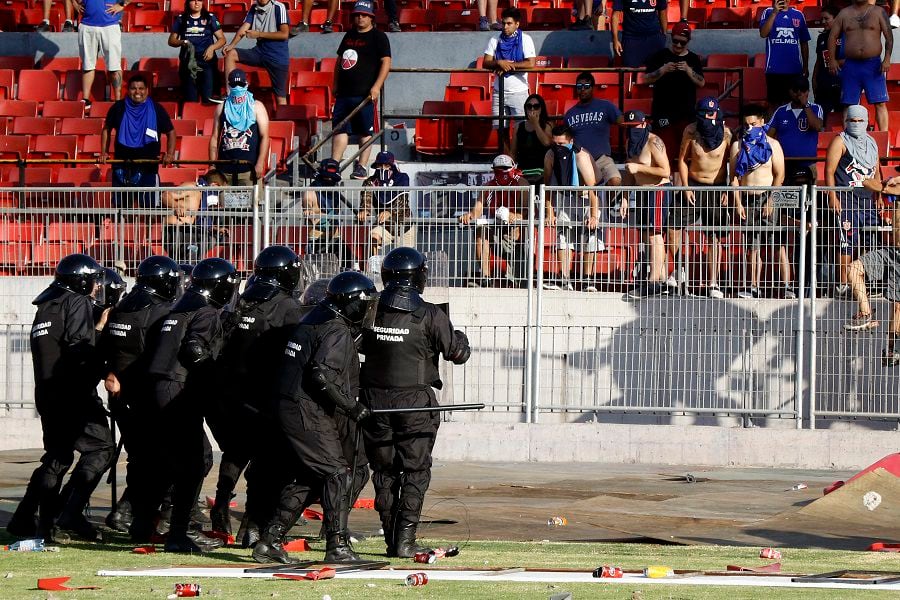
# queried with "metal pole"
point(813, 234)
point(421, 409)
point(501, 113)
point(801, 278)
point(536, 357)
point(529, 311)
point(257, 197)
point(267, 218)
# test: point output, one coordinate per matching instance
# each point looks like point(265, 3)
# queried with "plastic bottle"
point(32, 545)
point(658, 572)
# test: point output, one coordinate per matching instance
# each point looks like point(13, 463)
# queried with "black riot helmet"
point(113, 288)
point(78, 273)
point(315, 292)
point(404, 267)
point(215, 279)
point(352, 295)
point(278, 266)
point(160, 276)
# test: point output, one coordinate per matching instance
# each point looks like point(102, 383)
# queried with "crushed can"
point(608, 572)
point(426, 557)
point(416, 579)
point(187, 590)
point(557, 522)
point(770, 553)
point(446, 552)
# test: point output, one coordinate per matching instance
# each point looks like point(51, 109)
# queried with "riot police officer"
point(129, 328)
point(113, 288)
point(256, 332)
point(400, 371)
point(320, 362)
point(179, 361)
point(72, 415)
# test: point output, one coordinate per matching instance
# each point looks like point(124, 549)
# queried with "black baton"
point(447, 408)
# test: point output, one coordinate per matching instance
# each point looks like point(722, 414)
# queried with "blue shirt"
point(640, 17)
point(590, 123)
point(95, 14)
point(793, 131)
point(200, 31)
point(783, 44)
point(273, 50)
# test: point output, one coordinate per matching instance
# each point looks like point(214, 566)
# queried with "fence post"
point(257, 199)
point(536, 360)
point(801, 317)
point(529, 286)
point(267, 218)
point(813, 235)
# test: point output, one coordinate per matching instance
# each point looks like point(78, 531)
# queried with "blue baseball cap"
point(364, 7)
point(707, 104)
point(384, 158)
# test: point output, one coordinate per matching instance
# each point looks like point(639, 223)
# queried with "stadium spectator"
point(138, 122)
point(568, 164)
point(389, 207)
point(487, 16)
point(322, 208)
point(796, 125)
point(364, 62)
point(585, 10)
point(198, 33)
point(100, 31)
point(508, 55)
point(787, 48)
point(268, 24)
point(647, 164)
point(532, 139)
point(590, 121)
point(862, 26)
point(852, 158)
point(676, 74)
point(186, 236)
point(881, 266)
point(757, 160)
point(68, 26)
point(390, 6)
point(702, 162)
point(327, 26)
point(644, 27)
point(240, 132)
point(826, 86)
point(507, 209)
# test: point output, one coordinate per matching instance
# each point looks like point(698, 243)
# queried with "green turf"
point(19, 572)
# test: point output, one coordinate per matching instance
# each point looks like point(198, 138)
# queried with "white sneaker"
point(590, 288)
point(715, 292)
point(682, 278)
point(671, 281)
point(841, 290)
point(789, 293)
point(549, 285)
point(567, 286)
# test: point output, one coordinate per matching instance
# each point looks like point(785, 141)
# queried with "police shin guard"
point(387, 488)
point(23, 523)
point(335, 506)
point(248, 532)
point(182, 536)
point(220, 514)
point(412, 494)
point(121, 518)
point(72, 519)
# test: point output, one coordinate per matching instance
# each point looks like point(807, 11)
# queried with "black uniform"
point(400, 370)
point(179, 360)
point(72, 414)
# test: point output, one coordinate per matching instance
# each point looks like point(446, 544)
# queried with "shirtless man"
point(565, 208)
point(182, 238)
point(704, 145)
point(647, 164)
point(758, 160)
point(862, 25)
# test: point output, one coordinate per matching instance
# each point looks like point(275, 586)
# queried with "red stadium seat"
point(55, 146)
point(312, 88)
point(468, 87)
point(588, 62)
point(557, 86)
point(283, 131)
point(414, 19)
point(185, 127)
point(17, 63)
point(641, 104)
point(49, 255)
point(13, 146)
point(61, 109)
point(29, 18)
point(99, 109)
point(197, 111)
point(304, 118)
point(73, 91)
point(194, 148)
point(34, 126)
point(60, 63)
point(150, 21)
point(172, 176)
point(38, 86)
point(729, 18)
point(550, 19)
point(90, 147)
point(438, 136)
point(479, 136)
point(80, 127)
point(167, 88)
point(158, 65)
point(77, 176)
point(63, 231)
point(7, 83)
point(34, 177)
point(302, 63)
point(453, 20)
point(18, 108)
point(727, 60)
point(232, 20)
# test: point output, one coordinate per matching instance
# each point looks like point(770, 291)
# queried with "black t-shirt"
point(674, 94)
point(825, 78)
point(359, 60)
point(152, 150)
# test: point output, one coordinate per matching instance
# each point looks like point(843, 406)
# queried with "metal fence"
point(633, 314)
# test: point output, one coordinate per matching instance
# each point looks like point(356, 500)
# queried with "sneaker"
point(217, 99)
point(297, 29)
point(789, 293)
point(87, 106)
point(590, 288)
point(682, 278)
point(43, 27)
point(69, 27)
point(841, 290)
point(567, 286)
point(891, 359)
point(549, 285)
point(715, 292)
point(648, 289)
point(751, 293)
point(484, 24)
point(497, 26)
point(861, 322)
point(394, 27)
point(876, 293)
point(359, 171)
point(327, 27)
point(581, 25)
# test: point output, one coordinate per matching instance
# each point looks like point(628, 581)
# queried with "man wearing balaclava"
point(702, 162)
point(851, 159)
point(389, 207)
point(240, 132)
point(758, 160)
point(647, 164)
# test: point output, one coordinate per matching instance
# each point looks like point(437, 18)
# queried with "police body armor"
point(398, 350)
point(57, 352)
point(127, 330)
point(166, 361)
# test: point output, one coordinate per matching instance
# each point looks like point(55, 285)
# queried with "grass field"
point(19, 572)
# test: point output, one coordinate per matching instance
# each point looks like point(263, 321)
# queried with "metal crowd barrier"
point(666, 348)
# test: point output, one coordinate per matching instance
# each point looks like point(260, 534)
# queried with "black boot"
point(76, 526)
point(336, 510)
point(165, 518)
point(199, 520)
point(120, 519)
point(192, 542)
point(270, 547)
point(23, 524)
point(248, 533)
point(72, 521)
point(407, 547)
point(220, 516)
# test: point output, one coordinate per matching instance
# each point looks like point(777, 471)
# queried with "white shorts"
point(514, 104)
point(93, 40)
point(577, 237)
point(407, 237)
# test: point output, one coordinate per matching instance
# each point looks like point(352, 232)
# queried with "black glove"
point(460, 350)
point(358, 412)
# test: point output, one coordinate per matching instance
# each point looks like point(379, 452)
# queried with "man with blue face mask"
point(389, 207)
point(240, 132)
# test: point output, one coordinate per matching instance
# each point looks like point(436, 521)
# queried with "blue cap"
point(707, 104)
point(384, 158)
point(365, 7)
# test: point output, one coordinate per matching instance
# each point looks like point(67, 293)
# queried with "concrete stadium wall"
point(405, 92)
